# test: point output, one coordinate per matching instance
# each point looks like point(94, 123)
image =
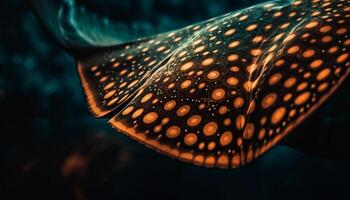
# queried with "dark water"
point(52, 148)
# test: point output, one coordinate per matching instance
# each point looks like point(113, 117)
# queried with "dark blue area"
point(52, 148)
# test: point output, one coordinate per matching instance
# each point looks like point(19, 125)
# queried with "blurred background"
point(52, 148)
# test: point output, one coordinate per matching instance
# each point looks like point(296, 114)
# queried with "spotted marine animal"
point(222, 92)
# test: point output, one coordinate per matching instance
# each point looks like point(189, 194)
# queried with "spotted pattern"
point(222, 92)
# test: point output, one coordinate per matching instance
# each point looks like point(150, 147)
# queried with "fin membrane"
point(223, 92)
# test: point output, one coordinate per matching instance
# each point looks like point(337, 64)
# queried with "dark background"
point(52, 148)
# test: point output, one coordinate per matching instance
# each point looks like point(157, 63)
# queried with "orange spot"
point(218, 94)
point(240, 121)
point(146, 97)
point(128, 110)
point(233, 57)
point(342, 58)
point(278, 115)
point(170, 105)
point(190, 139)
point(183, 110)
point(186, 84)
point(207, 62)
point(213, 75)
point(323, 74)
point(137, 113)
point(302, 98)
point(316, 63)
point(309, 53)
point(325, 29)
point(248, 131)
point(275, 78)
point(239, 102)
point(194, 120)
point(226, 138)
point(293, 50)
point(150, 117)
point(186, 66)
point(173, 132)
point(210, 128)
point(234, 44)
point(311, 25)
point(230, 32)
point(269, 100)
point(232, 81)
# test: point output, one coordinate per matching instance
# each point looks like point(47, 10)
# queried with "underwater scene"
point(175, 99)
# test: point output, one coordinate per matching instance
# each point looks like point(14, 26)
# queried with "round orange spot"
point(146, 97)
point(199, 49)
point(210, 128)
point(278, 115)
point(211, 146)
point(232, 81)
point(302, 98)
point(279, 63)
point(128, 110)
point(333, 49)
point(173, 132)
point(186, 84)
point(226, 138)
point(234, 69)
point(251, 27)
point(103, 79)
point(302, 86)
point(186, 66)
point(94, 68)
point(311, 25)
point(213, 75)
point(248, 131)
point(325, 29)
point(150, 117)
point(207, 62)
point(309, 53)
point(256, 52)
point(194, 120)
point(132, 84)
point(190, 139)
point(230, 32)
point(258, 39)
point(322, 87)
point(223, 110)
point(113, 101)
point(170, 105)
point(342, 58)
point(183, 110)
point(218, 94)
point(316, 63)
point(326, 39)
point(275, 78)
point(233, 57)
point(268, 100)
point(293, 50)
point(137, 113)
point(109, 85)
point(238, 102)
point(109, 94)
point(342, 31)
point(323, 74)
point(287, 97)
point(240, 121)
point(234, 44)
point(290, 82)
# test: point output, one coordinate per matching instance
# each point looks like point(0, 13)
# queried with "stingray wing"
point(235, 88)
